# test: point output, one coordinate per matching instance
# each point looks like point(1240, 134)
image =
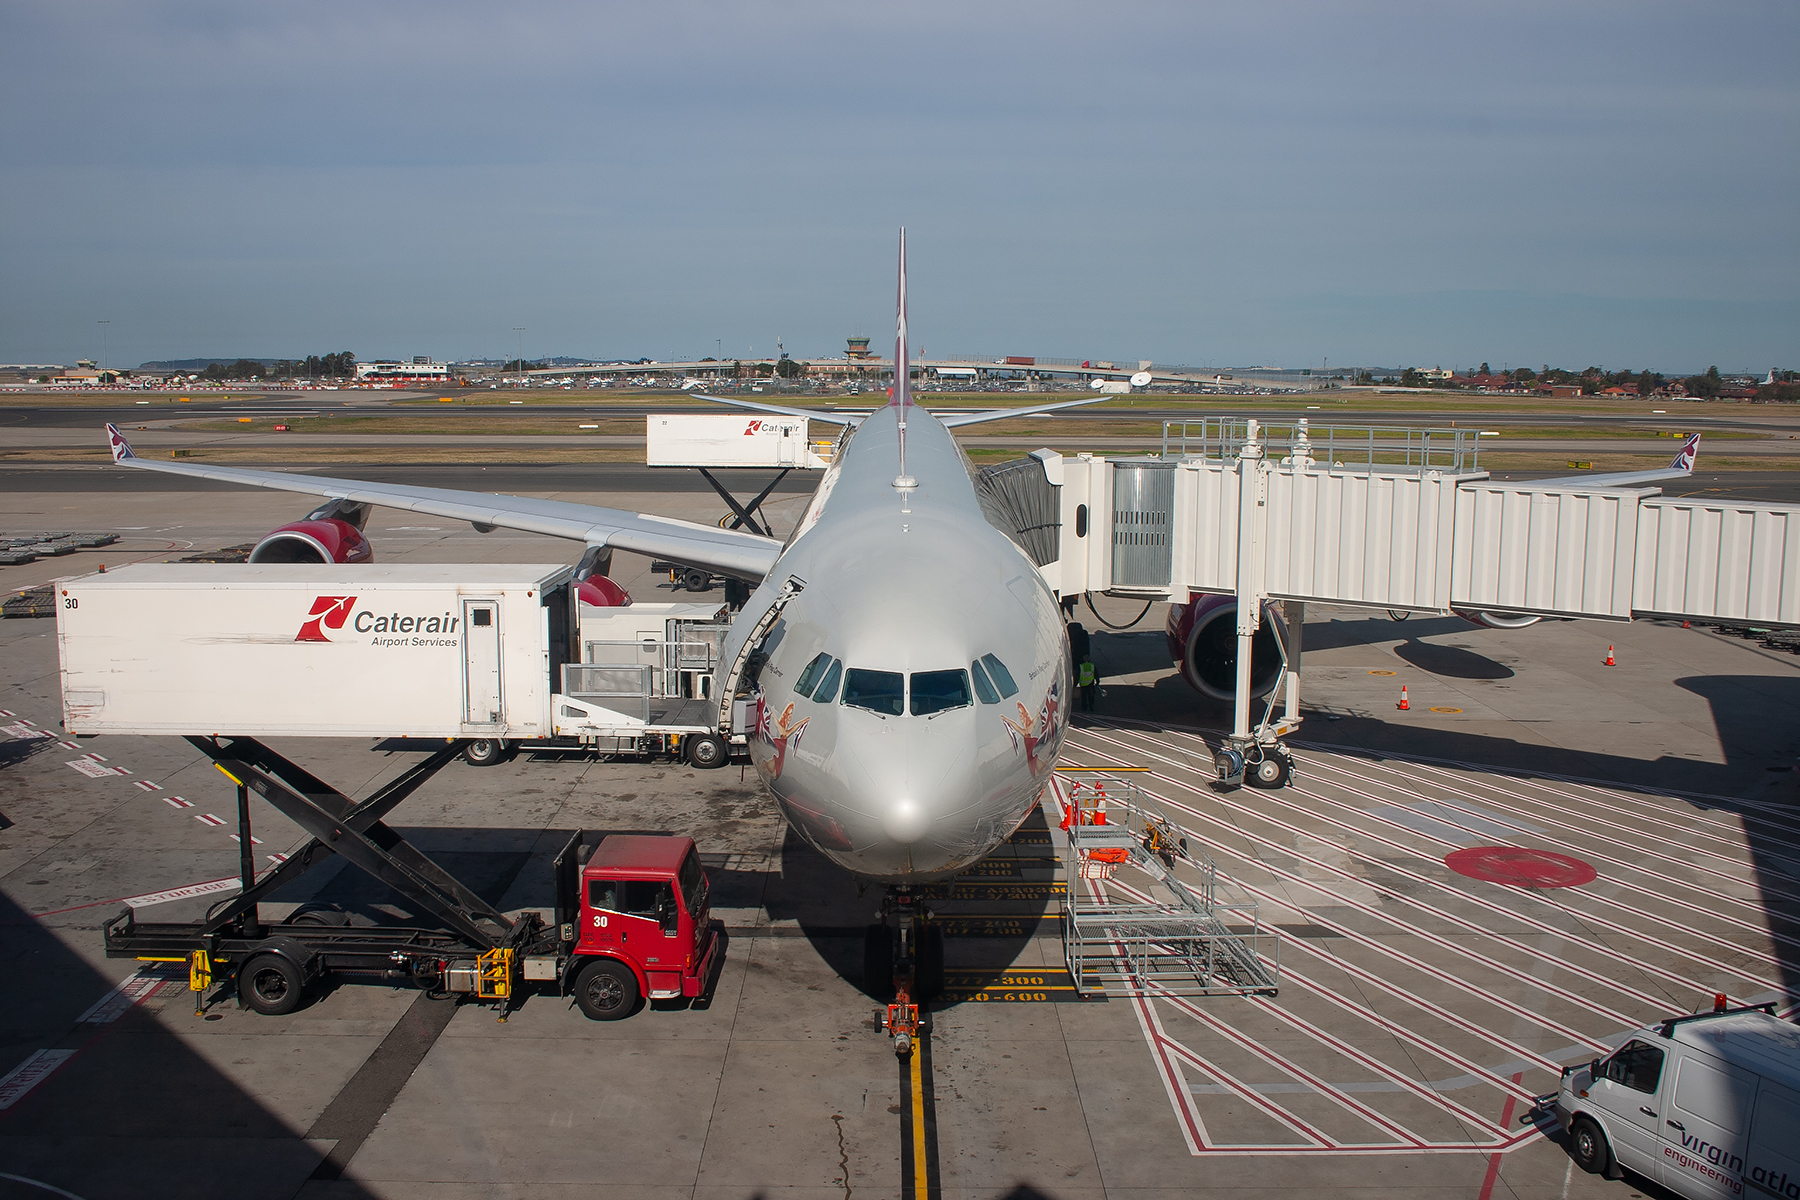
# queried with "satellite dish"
point(1141, 379)
point(1099, 384)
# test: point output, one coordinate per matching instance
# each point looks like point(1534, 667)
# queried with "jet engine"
point(1203, 643)
point(592, 585)
point(331, 533)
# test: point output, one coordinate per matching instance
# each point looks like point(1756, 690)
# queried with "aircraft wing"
point(730, 552)
point(806, 413)
point(1680, 467)
point(953, 420)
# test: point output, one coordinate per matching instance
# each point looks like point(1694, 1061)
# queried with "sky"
point(1280, 183)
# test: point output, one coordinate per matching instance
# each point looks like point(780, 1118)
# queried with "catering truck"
point(630, 916)
point(487, 653)
point(1706, 1105)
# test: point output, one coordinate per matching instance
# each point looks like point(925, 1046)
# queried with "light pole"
point(520, 330)
point(103, 331)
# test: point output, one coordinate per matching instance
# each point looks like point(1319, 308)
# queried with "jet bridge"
point(1401, 519)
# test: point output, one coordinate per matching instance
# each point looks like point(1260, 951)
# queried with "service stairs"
point(1144, 912)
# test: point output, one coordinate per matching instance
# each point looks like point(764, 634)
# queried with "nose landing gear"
point(903, 962)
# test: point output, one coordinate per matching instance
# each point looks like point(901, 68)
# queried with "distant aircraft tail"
point(121, 449)
point(1690, 450)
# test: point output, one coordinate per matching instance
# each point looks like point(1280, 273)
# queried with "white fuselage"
point(905, 584)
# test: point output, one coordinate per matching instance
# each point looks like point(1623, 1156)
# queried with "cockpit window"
point(1002, 677)
point(936, 691)
point(878, 691)
point(984, 687)
point(803, 686)
point(828, 690)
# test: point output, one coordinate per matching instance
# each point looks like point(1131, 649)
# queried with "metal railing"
point(1191, 944)
point(678, 668)
point(621, 689)
point(1364, 447)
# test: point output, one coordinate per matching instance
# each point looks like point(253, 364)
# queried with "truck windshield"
point(693, 884)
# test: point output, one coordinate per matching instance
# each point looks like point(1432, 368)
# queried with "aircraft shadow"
point(135, 1111)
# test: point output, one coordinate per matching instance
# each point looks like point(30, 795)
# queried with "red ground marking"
point(1520, 867)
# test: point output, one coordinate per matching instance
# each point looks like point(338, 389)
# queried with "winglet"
point(121, 449)
point(1690, 450)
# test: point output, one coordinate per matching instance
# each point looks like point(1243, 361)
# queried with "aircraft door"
point(481, 663)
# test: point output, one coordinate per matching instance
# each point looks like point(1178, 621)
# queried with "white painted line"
point(208, 819)
point(7, 712)
point(277, 859)
point(90, 768)
point(120, 771)
point(95, 757)
point(28, 1074)
point(177, 802)
point(254, 840)
point(122, 999)
point(68, 745)
point(146, 785)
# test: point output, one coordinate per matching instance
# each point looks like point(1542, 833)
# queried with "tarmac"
point(1419, 1009)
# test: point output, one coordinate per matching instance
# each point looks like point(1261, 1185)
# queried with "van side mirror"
point(1594, 1071)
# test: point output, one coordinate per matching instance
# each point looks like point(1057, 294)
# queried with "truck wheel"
point(705, 750)
point(270, 985)
point(695, 580)
point(1587, 1146)
point(878, 962)
point(606, 990)
point(484, 752)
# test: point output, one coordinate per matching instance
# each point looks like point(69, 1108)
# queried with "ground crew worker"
point(1089, 679)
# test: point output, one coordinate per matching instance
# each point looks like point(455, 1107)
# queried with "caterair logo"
point(328, 612)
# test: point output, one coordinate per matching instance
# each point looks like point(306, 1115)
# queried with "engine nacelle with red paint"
point(1202, 638)
point(602, 592)
point(323, 541)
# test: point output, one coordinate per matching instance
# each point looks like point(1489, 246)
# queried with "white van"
point(1707, 1105)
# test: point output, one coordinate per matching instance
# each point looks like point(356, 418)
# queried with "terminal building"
point(420, 370)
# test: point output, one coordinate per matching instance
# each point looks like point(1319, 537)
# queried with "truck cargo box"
point(314, 649)
point(693, 440)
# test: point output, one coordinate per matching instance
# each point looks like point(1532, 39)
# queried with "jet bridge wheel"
point(271, 985)
point(1271, 770)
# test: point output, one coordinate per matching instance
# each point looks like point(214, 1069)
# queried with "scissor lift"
point(1187, 944)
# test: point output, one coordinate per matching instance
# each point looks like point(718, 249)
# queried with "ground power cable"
point(1089, 598)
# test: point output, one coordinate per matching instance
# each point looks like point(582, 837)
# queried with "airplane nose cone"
point(906, 821)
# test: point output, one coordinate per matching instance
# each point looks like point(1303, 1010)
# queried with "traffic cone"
point(1404, 705)
point(1609, 658)
point(1687, 624)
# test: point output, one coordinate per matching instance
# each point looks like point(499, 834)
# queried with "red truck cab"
point(642, 924)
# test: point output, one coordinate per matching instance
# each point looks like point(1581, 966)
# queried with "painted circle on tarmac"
point(1516, 866)
point(1440, 708)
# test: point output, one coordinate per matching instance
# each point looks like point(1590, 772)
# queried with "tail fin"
point(901, 399)
point(121, 449)
point(1690, 450)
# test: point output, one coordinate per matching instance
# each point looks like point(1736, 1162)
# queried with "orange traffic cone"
point(1609, 658)
point(1403, 706)
point(1687, 624)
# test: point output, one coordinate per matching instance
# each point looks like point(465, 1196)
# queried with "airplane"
point(906, 664)
point(1201, 635)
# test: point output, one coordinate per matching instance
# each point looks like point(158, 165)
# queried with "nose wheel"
point(903, 963)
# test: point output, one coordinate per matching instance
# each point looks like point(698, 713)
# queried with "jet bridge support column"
point(1249, 556)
